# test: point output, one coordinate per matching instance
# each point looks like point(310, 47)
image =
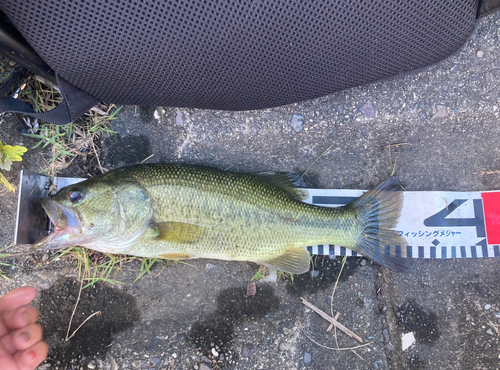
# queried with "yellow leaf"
point(14, 153)
point(6, 182)
point(5, 163)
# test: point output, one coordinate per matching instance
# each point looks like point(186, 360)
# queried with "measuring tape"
point(435, 224)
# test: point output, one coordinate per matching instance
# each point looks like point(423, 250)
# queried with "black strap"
point(76, 102)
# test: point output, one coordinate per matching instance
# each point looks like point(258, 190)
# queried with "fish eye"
point(75, 196)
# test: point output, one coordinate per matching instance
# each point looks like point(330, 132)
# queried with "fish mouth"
point(67, 233)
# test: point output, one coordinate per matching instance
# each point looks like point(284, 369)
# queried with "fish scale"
point(243, 217)
point(179, 211)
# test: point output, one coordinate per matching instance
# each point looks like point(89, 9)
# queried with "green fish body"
point(178, 211)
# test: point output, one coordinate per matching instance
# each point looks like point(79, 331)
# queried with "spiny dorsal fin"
point(294, 261)
point(285, 181)
point(177, 232)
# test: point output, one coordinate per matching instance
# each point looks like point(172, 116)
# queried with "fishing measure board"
point(435, 224)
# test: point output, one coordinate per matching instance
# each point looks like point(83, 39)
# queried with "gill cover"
point(104, 213)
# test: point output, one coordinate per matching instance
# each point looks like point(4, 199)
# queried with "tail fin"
point(378, 211)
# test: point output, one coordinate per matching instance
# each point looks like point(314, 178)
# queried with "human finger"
point(17, 298)
point(21, 339)
point(17, 319)
point(30, 358)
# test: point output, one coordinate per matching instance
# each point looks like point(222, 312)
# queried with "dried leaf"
point(251, 289)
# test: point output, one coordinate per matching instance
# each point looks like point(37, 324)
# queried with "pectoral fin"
point(177, 232)
point(294, 261)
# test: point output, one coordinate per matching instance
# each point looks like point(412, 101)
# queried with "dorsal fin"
point(285, 181)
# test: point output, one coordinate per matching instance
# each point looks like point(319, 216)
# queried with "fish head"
point(101, 215)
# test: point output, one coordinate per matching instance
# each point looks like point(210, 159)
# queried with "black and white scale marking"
point(436, 225)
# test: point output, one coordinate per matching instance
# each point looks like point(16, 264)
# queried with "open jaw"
point(67, 233)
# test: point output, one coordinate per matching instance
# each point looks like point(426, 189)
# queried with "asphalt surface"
point(197, 316)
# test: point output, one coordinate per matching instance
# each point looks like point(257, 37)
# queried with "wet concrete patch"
point(419, 320)
point(126, 150)
point(324, 274)
point(118, 313)
point(212, 336)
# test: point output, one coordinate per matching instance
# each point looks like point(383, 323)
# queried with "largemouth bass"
point(175, 211)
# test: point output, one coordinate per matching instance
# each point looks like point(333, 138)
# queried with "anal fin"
point(294, 261)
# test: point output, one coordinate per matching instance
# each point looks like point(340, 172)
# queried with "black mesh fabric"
point(236, 55)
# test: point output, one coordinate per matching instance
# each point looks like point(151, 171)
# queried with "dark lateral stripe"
point(443, 253)
point(496, 251)
point(420, 252)
point(453, 252)
point(332, 200)
point(463, 253)
point(409, 251)
point(433, 252)
point(342, 251)
point(310, 250)
point(354, 254)
point(320, 250)
point(473, 251)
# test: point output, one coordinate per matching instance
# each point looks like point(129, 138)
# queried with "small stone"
point(156, 361)
point(247, 349)
point(314, 273)
point(174, 355)
point(181, 337)
point(178, 119)
point(297, 122)
point(153, 344)
point(407, 340)
point(363, 262)
point(480, 53)
point(365, 133)
point(210, 266)
point(251, 289)
point(441, 112)
point(205, 359)
point(487, 306)
point(307, 358)
point(204, 366)
point(368, 110)
point(215, 353)
point(91, 365)
point(368, 303)
point(285, 346)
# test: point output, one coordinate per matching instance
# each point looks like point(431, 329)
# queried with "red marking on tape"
point(491, 205)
